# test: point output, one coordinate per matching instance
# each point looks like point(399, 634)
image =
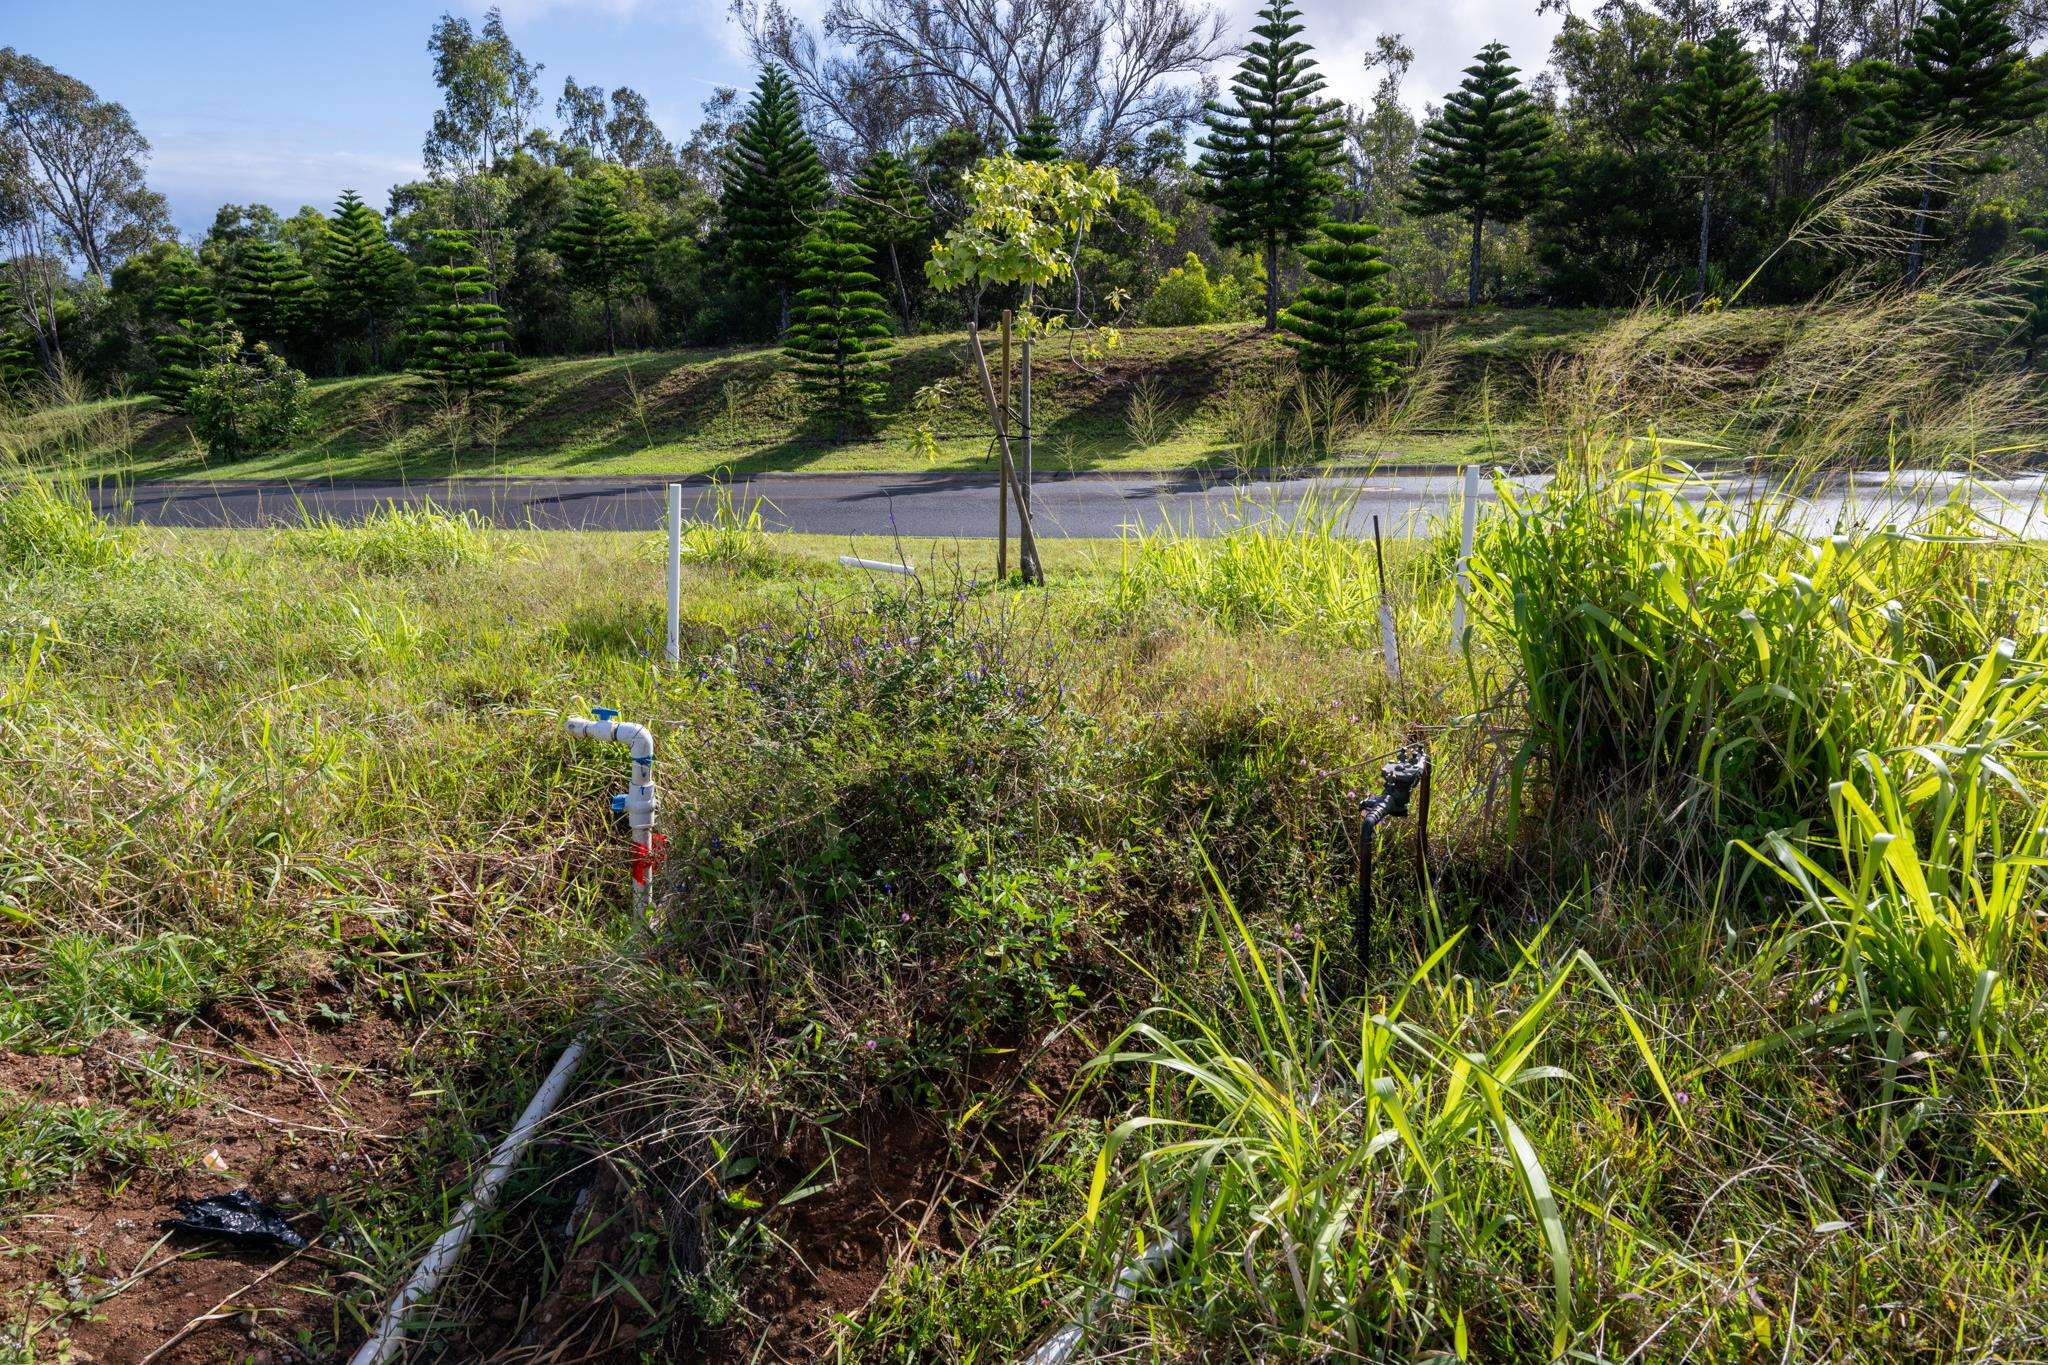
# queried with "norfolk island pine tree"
point(604, 245)
point(192, 324)
point(893, 214)
point(1485, 156)
point(1342, 322)
point(839, 325)
point(270, 295)
point(1967, 74)
point(1268, 160)
point(365, 278)
point(1040, 140)
point(1716, 116)
point(774, 184)
point(459, 335)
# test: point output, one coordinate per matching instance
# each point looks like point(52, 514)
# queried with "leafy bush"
point(1184, 296)
point(245, 402)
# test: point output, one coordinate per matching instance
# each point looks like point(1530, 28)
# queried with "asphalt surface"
point(959, 506)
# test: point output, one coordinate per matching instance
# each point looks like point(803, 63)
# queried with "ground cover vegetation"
point(1005, 936)
point(1657, 153)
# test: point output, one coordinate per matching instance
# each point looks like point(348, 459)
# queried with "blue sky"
point(289, 102)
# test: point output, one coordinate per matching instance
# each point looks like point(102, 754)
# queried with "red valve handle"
point(649, 856)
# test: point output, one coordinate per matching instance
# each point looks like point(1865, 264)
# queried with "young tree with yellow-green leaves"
point(1023, 218)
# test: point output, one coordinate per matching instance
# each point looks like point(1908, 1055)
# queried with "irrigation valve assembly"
point(1407, 778)
point(639, 804)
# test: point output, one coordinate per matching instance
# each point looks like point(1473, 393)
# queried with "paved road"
point(963, 505)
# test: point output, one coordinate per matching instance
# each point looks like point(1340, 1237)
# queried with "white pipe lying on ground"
point(639, 804)
point(877, 565)
point(1059, 1348)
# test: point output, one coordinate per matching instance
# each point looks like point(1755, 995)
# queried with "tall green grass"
point(1346, 1175)
point(1663, 636)
point(1932, 877)
point(395, 538)
point(48, 528)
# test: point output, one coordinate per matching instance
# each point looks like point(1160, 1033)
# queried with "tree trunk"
point(1918, 251)
point(1272, 282)
point(1699, 291)
point(782, 325)
point(902, 291)
point(611, 328)
point(1472, 268)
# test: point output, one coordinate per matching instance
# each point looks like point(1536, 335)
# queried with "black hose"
point(1407, 771)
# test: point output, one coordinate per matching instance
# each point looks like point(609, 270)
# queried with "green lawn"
point(1166, 398)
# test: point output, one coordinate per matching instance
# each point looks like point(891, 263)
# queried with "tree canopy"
point(1269, 157)
point(1485, 156)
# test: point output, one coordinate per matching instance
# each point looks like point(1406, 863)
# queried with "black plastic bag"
point(240, 1218)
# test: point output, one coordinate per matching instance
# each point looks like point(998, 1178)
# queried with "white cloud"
point(200, 170)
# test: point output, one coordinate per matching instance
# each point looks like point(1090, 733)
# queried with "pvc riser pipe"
point(639, 803)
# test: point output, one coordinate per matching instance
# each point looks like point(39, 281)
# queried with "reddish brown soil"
point(300, 1115)
point(910, 1186)
point(902, 1183)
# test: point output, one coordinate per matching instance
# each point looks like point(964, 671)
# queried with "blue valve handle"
point(604, 712)
point(619, 801)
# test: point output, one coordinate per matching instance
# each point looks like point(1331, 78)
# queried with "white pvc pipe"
point(877, 565)
point(447, 1249)
point(675, 574)
point(1465, 539)
point(639, 804)
point(1061, 1346)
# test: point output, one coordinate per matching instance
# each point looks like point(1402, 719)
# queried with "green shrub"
point(1187, 297)
point(245, 402)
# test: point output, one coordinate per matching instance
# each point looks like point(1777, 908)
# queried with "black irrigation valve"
point(1406, 776)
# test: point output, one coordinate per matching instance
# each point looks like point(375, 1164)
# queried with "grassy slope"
point(300, 870)
point(691, 412)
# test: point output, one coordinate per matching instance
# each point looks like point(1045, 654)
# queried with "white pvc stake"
point(877, 565)
point(1390, 644)
point(675, 574)
point(1471, 529)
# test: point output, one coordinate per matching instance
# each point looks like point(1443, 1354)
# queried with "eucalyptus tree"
point(80, 160)
point(895, 72)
